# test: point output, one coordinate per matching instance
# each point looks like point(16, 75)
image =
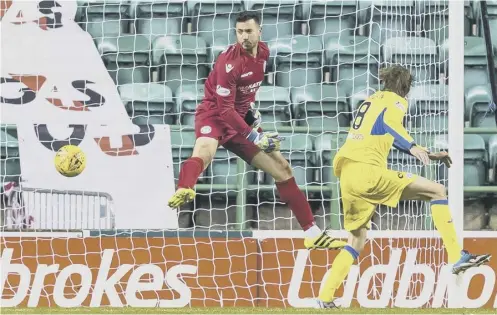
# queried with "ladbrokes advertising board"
point(179, 272)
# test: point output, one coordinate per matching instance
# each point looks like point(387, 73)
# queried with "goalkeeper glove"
point(266, 141)
point(253, 117)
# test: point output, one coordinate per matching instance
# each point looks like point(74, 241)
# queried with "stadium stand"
point(159, 53)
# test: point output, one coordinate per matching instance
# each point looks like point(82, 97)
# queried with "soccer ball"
point(70, 160)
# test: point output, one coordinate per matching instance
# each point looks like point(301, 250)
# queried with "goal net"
point(122, 79)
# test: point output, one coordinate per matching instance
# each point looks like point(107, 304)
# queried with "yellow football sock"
point(339, 271)
point(443, 222)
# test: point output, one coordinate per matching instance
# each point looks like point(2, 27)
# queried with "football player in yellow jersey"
point(365, 180)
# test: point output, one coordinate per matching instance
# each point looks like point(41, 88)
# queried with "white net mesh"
point(237, 246)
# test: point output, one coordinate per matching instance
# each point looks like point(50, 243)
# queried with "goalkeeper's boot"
point(469, 261)
point(321, 304)
point(324, 241)
point(181, 196)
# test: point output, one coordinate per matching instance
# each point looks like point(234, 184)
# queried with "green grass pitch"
point(239, 310)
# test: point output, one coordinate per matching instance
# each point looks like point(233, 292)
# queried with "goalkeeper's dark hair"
point(396, 79)
point(247, 16)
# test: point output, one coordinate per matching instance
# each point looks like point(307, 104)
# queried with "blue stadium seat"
point(158, 17)
point(126, 58)
point(181, 59)
point(149, 103)
point(297, 62)
point(273, 102)
point(330, 18)
point(187, 97)
point(417, 53)
point(279, 18)
point(105, 18)
point(353, 61)
point(428, 107)
point(212, 19)
point(321, 106)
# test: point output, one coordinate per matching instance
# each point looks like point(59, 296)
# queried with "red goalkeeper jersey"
point(232, 85)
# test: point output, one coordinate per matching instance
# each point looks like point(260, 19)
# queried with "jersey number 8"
point(363, 109)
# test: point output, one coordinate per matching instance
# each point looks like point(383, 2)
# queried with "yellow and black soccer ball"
point(70, 160)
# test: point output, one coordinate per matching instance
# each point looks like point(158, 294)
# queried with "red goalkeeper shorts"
point(213, 126)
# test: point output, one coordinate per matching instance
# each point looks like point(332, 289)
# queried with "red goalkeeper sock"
point(190, 171)
point(296, 200)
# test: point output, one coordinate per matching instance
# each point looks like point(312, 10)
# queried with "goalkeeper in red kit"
point(226, 117)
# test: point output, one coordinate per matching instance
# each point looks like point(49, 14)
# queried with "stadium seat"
point(279, 18)
point(158, 17)
point(389, 18)
point(182, 143)
point(327, 146)
point(220, 44)
point(492, 18)
point(105, 18)
point(223, 169)
point(478, 100)
point(428, 107)
point(181, 59)
point(435, 19)
point(417, 53)
point(475, 61)
point(187, 97)
point(320, 106)
point(492, 153)
point(149, 103)
point(212, 19)
point(298, 149)
point(126, 58)
point(10, 167)
point(273, 102)
point(330, 18)
point(297, 62)
point(361, 93)
point(401, 162)
point(475, 160)
point(353, 61)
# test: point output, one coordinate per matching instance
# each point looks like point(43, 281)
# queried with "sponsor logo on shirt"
point(229, 67)
point(252, 88)
point(247, 74)
point(222, 91)
point(356, 136)
point(205, 130)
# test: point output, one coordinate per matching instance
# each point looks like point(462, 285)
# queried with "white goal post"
point(121, 79)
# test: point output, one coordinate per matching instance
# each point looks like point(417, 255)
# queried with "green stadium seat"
point(278, 17)
point(158, 17)
point(475, 160)
point(401, 162)
point(105, 18)
point(475, 61)
point(181, 59)
point(223, 169)
point(361, 93)
point(126, 58)
point(321, 106)
point(10, 167)
point(391, 18)
point(273, 102)
point(327, 145)
point(188, 96)
point(492, 18)
point(297, 61)
point(149, 103)
point(353, 61)
point(492, 153)
point(428, 107)
point(220, 44)
point(212, 19)
point(435, 19)
point(417, 53)
point(477, 101)
point(298, 149)
point(330, 18)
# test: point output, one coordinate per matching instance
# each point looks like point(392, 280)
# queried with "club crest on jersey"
point(229, 67)
point(222, 91)
point(205, 130)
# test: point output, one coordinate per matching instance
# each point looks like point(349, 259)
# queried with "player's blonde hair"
point(396, 79)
